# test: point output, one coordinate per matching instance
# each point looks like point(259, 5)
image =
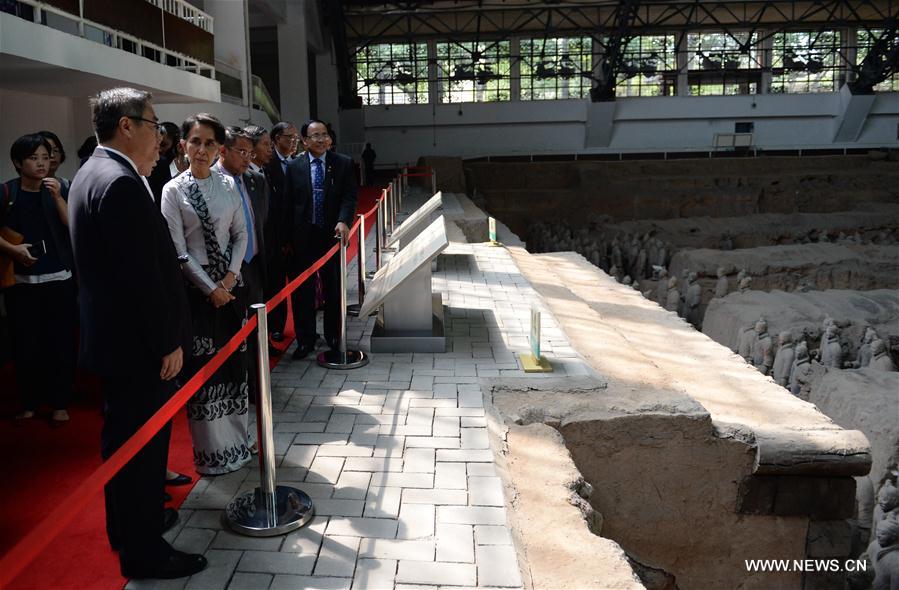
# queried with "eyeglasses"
point(244, 153)
point(159, 128)
point(290, 137)
point(318, 137)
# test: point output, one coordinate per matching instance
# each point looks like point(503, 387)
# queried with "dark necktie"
point(318, 193)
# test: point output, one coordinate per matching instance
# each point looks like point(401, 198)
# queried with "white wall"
point(70, 119)
point(229, 114)
point(22, 113)
point(402, 133)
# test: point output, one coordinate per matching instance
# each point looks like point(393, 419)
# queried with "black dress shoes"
point(180, 480)
point(170, 518)
point(277, 336)
point(302, 351)
point(176, 564)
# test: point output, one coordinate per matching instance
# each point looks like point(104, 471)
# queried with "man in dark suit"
point(128, 275)
point(284, 139)
point(234, 161)
point(321, 189)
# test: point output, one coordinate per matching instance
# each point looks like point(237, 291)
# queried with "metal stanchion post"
point(433, 181)
point(405, 178)
point(270, 509)
point(342, 358)
point(395, 208)
point(353, 308)
point(379, 237)
point(385, 218)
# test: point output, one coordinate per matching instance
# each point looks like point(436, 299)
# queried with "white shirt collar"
point(281, 156)
point(255, 168)
point(321, 157)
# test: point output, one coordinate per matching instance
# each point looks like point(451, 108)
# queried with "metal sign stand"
point(534, 362)
point(270, 509)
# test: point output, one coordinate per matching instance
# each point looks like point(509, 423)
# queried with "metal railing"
point(186, 11)
point(264, 101)
point(106, 35)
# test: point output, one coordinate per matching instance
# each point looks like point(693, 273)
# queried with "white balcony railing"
point(50, 16)
point(186, 11)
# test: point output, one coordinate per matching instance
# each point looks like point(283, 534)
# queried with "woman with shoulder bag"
point(41, 296)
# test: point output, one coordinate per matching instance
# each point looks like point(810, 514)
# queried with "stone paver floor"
point(395, 455)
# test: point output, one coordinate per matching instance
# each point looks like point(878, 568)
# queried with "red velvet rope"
point(26, 550)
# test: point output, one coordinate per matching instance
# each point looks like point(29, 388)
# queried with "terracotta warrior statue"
point(745, 284)
point(783, 360)
point(693, 299)
point(864, 351)
point(662, 287)
point(801, 370)
point(880, 359)
point(746, 342)
point(672, 298)
point(831, 349)
point(721, 285)
point(763, 351)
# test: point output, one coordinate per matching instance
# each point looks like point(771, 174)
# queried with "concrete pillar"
point(683, 83)
point(849, 43)
point(515, 69)
point(293, 69)
point(326, 89)
point(433, 86)
point(766, 48)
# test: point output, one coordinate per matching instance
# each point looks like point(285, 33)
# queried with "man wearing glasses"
point(235, 156)
point(128, 275)
point(320, 187)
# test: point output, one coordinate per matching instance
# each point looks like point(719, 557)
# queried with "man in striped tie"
point(321, 189)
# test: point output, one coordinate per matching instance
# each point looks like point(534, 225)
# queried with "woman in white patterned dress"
point(205, 217)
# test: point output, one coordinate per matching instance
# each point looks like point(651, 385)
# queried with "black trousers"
point(254, 292)
point(43, 323)
point(276, 265)
point(134, 497)
point(316, 243)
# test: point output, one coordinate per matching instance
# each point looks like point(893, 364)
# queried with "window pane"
point(649, 67)
point(721, 63)
point(806, 61)
point(865, 40)
point(555, 68)
point(392, 73)
point(473, 71)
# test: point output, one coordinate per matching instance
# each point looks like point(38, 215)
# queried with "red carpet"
point(43, 463)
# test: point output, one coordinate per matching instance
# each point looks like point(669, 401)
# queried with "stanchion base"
point(330, 359)
point(353, 310)
point(247, 515)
